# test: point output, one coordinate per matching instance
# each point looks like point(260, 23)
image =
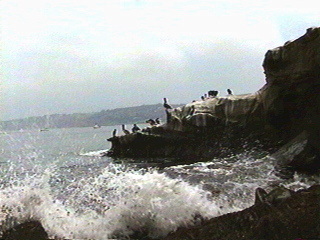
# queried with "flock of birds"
point(213, 94)
point(156, 122)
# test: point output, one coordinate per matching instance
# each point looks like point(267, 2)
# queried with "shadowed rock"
point(31, 230)
point(287, 216)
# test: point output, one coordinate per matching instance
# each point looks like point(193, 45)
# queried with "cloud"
point(81, 56)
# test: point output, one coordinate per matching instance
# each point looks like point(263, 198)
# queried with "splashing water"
point(58, 179)
point(116, 202)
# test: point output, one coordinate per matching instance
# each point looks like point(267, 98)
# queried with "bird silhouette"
point(151, 122)
point(135, 128)
point(157, 121)
point(165, 104)
point(114, 132)
point(124, 130)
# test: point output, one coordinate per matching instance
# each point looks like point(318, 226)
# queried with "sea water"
point(60, 178)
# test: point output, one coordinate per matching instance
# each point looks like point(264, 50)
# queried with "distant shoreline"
point(129, 115)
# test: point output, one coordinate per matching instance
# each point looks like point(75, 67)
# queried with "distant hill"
point(129, 115)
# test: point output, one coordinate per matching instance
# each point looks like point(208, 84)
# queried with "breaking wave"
point(117, 202)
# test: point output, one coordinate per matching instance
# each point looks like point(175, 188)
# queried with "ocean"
point(59, 178)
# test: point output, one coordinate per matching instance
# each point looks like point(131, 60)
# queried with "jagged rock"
point(277, 195)
point(291, 215)
point(287, 105)
point(260, 196)
point(30, 230)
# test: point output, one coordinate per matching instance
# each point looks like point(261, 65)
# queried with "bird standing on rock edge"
point(114, 132)
point(135, 128)
point(229, 91)
point(151, 122)
point(125, 131)
point(165, 104)
point(158, 121)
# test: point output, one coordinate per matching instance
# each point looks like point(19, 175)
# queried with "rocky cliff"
point(283, 118)
point(286, 107)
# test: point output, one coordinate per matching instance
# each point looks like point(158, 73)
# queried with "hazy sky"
point(66, 56)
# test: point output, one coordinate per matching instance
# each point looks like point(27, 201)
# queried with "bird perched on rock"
point(158, 121)
point(151, 122)
point(114, 132)
point(202, 98)
point(124, 130)
point(135, 128)
point(229, 91)
point(213, 93)
point(165, 104)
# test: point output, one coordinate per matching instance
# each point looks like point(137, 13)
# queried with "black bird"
point(213, 93)
point(125, 131)
point(114, 132)
point(202, 98)
point(151, 122)
point(229, 91)
point(157, 121)
point(165, 104)
point(135, 128)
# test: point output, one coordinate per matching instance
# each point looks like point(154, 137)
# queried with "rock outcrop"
point(280, 215)
point(286, 106)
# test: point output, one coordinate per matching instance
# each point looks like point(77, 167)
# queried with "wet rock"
point(30, 230)
point(276, 196)
point(260, 196)
point(293, 216)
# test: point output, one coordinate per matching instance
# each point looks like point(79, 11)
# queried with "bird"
point(151, 122)
point(165, 104)
point(125, 131)
point(114, 132)
point(202, 98)
point(135, 128)
point(212, 93)
point(229, 91)
point(158, 121)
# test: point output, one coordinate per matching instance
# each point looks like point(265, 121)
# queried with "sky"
point(70, 56)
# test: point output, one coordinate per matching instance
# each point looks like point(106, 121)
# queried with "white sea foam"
point(98, 153)
point(117, 202)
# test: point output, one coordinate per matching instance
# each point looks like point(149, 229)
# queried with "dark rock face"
point(286, 106)
point(281, 215)
point(31, 230)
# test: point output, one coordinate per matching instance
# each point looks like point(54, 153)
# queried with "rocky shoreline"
point(286, 107)
point(283, 118)
point(279, 215)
